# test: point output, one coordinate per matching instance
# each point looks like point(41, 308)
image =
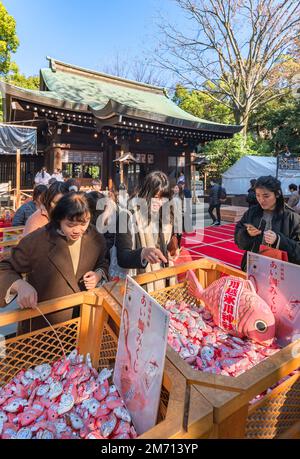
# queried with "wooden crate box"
point(96, 331)
point(233, 416)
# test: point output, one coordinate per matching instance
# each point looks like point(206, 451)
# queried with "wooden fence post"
point(86, 318)
point(93, 317)
point(234, 426)
point(96, 333)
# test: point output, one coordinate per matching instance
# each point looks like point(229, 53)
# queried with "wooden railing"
point(11, 237)
point(17, 197)
point(13, 198)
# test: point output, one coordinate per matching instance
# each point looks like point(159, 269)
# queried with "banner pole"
point(18, 179)
point(277, 166)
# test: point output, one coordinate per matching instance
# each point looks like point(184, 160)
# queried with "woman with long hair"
point(270, 222)
point(42, 216)
point(143, 235)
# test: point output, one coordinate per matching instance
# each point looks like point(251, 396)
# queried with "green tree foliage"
point(271, 127)
point(277, 124)
point(8, 40)
point(19, 79)
point(200, 104)
point(222, 154)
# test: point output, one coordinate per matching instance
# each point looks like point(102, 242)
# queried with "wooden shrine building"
point(86, 120)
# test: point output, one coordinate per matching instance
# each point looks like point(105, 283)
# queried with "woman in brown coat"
point(62, 258)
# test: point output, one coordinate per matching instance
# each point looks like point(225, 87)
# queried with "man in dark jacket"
point(187, 193)
point(215, 200)
point(251, 198)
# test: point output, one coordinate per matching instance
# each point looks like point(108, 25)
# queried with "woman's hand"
point(153, 255)
point(270, 237)
point(91, 279)
point(27, 295)
point(252, 230)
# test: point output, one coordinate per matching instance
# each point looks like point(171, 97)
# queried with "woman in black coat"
point(270, 222)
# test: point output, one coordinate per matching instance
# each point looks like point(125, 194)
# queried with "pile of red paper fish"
point(66, 400)
point(206, 347)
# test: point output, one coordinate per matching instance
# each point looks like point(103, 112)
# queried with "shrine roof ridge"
point(55, 65)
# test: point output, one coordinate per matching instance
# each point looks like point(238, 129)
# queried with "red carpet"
point(214, 242)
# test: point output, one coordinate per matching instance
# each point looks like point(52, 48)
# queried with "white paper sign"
point(141, 355)
point(278, 283)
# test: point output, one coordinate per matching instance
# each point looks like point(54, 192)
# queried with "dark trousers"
point(210, 211)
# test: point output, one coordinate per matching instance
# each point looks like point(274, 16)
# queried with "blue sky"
point(88, 33)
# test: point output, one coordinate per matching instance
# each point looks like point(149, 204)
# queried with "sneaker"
point(217, 224)
point(212, 224)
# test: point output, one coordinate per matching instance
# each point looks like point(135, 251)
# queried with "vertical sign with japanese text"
point(141, 355)
point(277, 282)
point(229, 302)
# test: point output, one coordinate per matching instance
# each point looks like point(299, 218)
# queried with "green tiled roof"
point(75, 88)
point(97, 94)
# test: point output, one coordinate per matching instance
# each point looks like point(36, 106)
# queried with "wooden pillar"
point(110, 152)
point(57, 157)
point(18, 179)
point(188, 168)
point(125, 148)
point(193, 172)
point(121, 169)
point(205, 181)
point(105, 164)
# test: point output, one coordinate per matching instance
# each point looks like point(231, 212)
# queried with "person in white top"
point(42, 177)
point(181, 178)
point(57, 174)
point(123, 196)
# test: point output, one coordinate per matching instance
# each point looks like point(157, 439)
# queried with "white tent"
point(236, 179)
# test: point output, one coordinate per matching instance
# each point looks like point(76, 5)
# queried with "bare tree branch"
point(234, 43)
point(137, 69)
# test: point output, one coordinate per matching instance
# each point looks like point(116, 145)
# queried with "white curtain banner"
point(13, 138)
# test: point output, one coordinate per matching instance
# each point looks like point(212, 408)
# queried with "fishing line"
point(53, 329)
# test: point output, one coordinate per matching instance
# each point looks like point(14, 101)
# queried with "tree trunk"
point(245, 124)
point(242, 118)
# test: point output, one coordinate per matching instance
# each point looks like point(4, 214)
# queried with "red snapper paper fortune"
point(236, 307)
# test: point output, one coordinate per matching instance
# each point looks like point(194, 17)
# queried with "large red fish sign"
point(141, 355)
point(236, 307)
point(277, 282)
